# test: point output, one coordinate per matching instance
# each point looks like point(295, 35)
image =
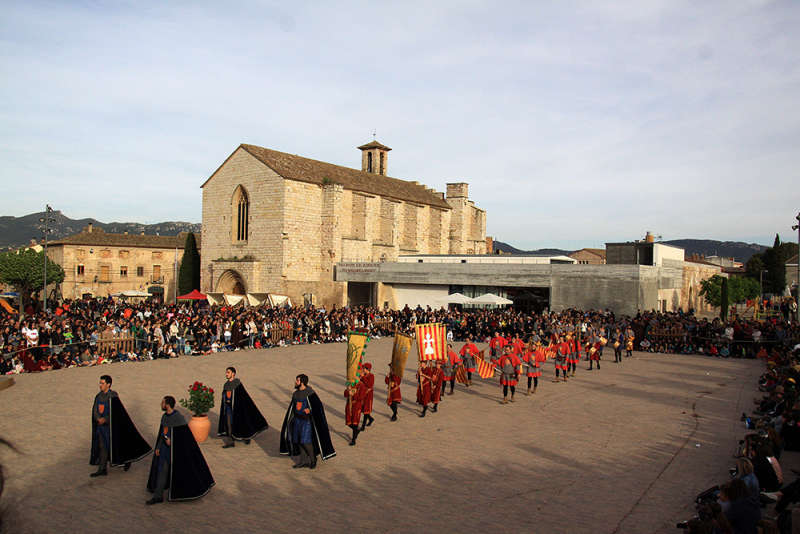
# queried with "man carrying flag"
point(424, 375)
point(352, 410)
point(368, 379)
point(534, 358)
point(510, 369)
point(393, 397)
point(437, 381)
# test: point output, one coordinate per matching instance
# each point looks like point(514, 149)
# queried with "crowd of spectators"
point(73, 333)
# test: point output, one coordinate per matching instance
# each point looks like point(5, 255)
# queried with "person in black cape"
point(305, 430)
point(114, 436)
point(178, 464)
point(240, 418)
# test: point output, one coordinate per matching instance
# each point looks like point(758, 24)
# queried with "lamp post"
point(761, 296)
point(796, 303)
point(46, 230)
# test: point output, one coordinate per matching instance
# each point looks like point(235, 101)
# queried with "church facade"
point(279, 223)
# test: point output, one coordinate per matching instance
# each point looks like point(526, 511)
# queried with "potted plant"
point(199, 403)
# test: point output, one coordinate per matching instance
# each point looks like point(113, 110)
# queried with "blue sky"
point(575, 123)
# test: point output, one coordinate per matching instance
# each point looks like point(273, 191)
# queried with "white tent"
point(257, 299)
point(215, 298)
point(454, 298)
point(276, 300)
point(233, 300)
point(490, 298)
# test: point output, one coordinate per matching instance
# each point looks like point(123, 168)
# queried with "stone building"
point(278, 223)
point(589, 256)
point(98, 264)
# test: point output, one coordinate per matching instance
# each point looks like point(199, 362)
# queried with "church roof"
point(301, 169)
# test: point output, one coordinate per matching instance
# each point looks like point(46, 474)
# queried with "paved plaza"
point(624, 449)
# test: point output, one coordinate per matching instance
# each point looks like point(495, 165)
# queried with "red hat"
point(367, 366)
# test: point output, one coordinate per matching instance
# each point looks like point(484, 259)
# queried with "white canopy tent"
point(490, 298)
point(130, 293)
point(454, 298)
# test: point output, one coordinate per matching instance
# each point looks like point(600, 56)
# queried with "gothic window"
point(241, 209)
point(369, 161)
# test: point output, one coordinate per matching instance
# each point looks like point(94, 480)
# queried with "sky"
point(574, 123)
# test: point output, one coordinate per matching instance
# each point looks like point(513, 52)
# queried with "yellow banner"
point(400, 350)
point(356, 345)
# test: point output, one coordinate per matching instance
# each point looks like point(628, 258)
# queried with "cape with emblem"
point(246, 419)
point(319, 427)
point(126, 444)
point(189, 476)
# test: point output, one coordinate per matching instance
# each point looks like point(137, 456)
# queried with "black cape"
point(319, 429)
point(189, 477)
point(127, 445)
point(246, 419)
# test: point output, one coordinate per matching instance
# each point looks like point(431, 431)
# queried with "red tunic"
point(369, 384)
point(497, 344)
point(393, 394)
point(424, 388)
point(454, 361)
point(352, 408)
point(472, 349)
point(519, 347)
point(561, 354)
point(437, 378)
point(505, 379)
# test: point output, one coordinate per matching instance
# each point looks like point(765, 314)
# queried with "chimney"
point(649, 238)
point(89, 228)
point(125, 232)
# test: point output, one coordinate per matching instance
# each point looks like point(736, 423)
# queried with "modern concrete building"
point(653, 276)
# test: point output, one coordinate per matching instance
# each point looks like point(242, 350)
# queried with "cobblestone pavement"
point(623, 449)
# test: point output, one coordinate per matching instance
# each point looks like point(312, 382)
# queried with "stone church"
point(279, 223)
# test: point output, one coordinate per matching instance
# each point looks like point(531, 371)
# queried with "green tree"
point(754, 266)
point(711, 290)
point(24, 271)
point(724, 299)
point(189, 274)
point(775, 262)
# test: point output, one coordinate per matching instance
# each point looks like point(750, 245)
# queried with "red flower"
point(211, 390)
point(194, 388)
point(197, 383)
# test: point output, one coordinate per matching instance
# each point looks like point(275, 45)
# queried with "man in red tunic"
point(352, 409)
point(534, 358)
point(496, 345)
point(393, 397)
point(561, 350)
point(437, 380)
point(368, 379)
point(468, 353)
point(509, 365)
point(424, 375)
point(450, 367)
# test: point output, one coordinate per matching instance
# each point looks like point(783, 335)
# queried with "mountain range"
point(704, 247)
point(19, 231)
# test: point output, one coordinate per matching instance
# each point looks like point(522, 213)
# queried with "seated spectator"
point(745, 473)
point(743, 509)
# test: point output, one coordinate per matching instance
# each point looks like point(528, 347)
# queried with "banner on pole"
point(356, 345)
point(431, 341)
point(400, 350)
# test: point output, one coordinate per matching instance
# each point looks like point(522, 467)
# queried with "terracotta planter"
point(200, 426)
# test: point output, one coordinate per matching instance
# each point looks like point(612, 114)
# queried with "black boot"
point(435, 408)
point(424, 409)
point(355, 435)
point(363, 424)
point(371, 419)
point(100, 473)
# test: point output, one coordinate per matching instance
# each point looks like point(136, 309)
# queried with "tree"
point(755, 265)
point(189, 274)
point(24, 271)
point(775, 262)
point(711, 290)
point(724, 299)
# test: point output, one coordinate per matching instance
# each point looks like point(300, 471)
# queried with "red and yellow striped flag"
point(485, 369)
point(431, 341)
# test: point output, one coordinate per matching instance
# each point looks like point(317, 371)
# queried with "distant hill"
point(508, 249)
point(19, 231)
point(727, 249)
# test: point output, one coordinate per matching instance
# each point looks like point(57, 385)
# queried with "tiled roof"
point(374, 144)
point(318, 172)
point(99, 238)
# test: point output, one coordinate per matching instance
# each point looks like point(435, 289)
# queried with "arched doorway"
point(231, 282)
